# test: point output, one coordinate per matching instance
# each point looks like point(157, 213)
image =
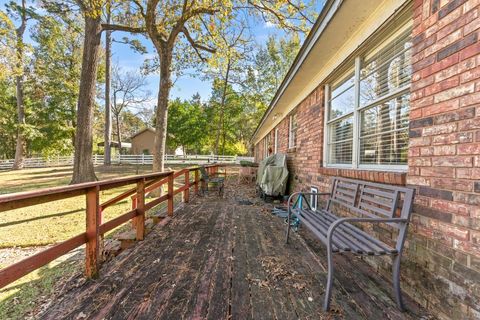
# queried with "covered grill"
point(272, 175)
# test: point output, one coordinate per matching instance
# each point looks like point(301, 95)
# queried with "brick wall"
point(441, 264)
point(444, 156)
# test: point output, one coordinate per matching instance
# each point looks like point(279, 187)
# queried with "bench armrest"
point(338, 222)
point(301, 194)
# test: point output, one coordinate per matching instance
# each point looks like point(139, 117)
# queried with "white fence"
point(139, 159)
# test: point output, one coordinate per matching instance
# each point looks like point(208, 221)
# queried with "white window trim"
point(356, 127)
point(265, 147)
point(276, 141)
point(291, 142)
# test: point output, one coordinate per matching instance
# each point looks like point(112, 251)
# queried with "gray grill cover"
point(272, 174)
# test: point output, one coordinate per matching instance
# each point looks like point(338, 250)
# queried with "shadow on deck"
point(219, 259)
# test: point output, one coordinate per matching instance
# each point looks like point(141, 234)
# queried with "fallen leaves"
point(277, 273)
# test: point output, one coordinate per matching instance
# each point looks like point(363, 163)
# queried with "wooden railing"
point(95, 226)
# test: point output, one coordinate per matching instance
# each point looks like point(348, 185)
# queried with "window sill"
point(380, 175)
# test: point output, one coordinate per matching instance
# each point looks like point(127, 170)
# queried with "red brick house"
point(389, 91)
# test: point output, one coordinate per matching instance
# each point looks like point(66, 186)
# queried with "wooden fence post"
point(92, 249)
point(140, 218)
point(186, 193)
point(197, 181)
point(170, 195)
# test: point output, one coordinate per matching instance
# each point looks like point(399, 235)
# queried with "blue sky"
point(185, 86)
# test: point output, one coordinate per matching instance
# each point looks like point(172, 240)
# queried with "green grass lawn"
point(54, 221)
point(23, 298)
point(47, 224)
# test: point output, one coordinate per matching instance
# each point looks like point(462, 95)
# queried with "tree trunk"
point(83, 169)
point(119, 137)
point(108, 107)
point(221, 122)
point(20, 147)
point(161, 116)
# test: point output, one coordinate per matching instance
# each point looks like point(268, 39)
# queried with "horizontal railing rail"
point(142, 159)
point(95, 226)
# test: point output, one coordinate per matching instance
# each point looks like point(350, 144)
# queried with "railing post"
point(140, 218)
point(186, 193)
point(92, 249)
point(197, 180)
point(170, 195)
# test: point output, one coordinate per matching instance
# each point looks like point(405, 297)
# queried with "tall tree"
point(194, 26)
point(82, 165)
point(229, 116)
point(7, 119)
point(53, 88)
point(92, 12)
point(226, 70)
point(108, 107)
point(21, 13)
point(187, 125)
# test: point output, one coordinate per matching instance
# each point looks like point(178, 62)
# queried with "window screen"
point(292, 137)
point(368, 125)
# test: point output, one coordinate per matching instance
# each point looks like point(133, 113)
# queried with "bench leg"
point(396, 282)
point(328, 289)
point(288, 228)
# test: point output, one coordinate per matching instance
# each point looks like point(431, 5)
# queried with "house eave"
point(328, 11)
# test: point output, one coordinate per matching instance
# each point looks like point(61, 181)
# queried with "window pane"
point(341, 87)
point(343, 99)
point(340, 143)
point(384, 132)
point(388, 71)
point(293, 131)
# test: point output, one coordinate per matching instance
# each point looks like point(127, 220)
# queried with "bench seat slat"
point(352, 243)
point(364, 238)
point(363, 234)
point(323, 226)
point(346, 237)
point(322, 237)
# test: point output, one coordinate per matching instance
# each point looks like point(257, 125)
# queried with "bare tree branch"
point(196, 45)
point(116, 27)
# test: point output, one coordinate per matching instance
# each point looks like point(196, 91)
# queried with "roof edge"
point(328, 11)
point(142, 131)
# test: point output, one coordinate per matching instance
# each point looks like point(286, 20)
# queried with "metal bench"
point(213, 178)
point(367, 202)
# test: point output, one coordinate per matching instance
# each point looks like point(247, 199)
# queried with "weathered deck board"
point(218, 259)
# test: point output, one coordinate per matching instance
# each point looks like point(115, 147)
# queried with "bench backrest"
point(204, 173)
point(372, 200)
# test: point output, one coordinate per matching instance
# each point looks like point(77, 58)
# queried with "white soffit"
point(344, 28)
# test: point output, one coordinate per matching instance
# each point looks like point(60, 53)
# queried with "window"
point(266, 145)
point(367, 110)
point(276, 141)
point(292, 132)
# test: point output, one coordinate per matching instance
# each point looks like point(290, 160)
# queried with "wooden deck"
point(219, 259)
